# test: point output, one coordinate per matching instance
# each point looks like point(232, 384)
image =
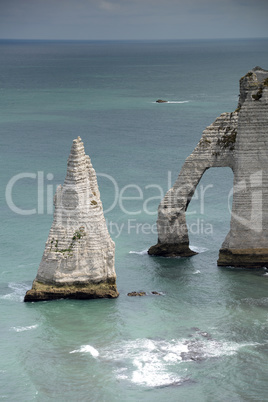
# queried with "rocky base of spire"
point(246, 258)
point(43, 292)
point(171, 250)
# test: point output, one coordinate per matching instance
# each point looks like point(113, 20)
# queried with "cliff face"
point(215, 148)
point(78, 261)
point(236, 140)
point(247, 242)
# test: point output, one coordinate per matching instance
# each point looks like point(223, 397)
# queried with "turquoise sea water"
point(205, 337)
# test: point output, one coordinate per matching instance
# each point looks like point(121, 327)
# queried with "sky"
point(133, 19)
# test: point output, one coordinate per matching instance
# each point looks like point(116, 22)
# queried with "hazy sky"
point(133, 19)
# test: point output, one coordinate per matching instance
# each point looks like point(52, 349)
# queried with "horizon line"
point(130, 40)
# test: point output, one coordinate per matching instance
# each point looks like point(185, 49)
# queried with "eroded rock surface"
point(237, 140)
point(78, 261)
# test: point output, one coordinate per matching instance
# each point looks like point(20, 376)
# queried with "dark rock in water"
point(195, 329)
point(196, 357)
point(136, 294)
point(171, 250)
point(143, 293)
point(161, 101)
point(206, 335)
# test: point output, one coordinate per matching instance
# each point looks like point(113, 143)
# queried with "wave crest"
point(87, 349)
point(143, 252)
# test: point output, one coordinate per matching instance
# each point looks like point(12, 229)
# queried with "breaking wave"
point(143, 252)
point(157, 363)
point(186, 101)
point(198, 249)
point(18, 292)
point(165, 102)
point(87, 349)
point(22, 329)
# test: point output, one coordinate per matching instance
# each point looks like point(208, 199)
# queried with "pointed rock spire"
point(78, 261)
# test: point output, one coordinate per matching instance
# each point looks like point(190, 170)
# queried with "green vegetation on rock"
point(228, 140)
point(258, 95)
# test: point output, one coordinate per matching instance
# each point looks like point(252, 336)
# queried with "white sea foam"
point(151, 363)
point(18, 292)
point(196, 272)
point(186, 101)
point(174, 350)
point(198, 249)
point(22, 329)
point(157, 363)
point(87, 349)
point(217, 349)
point(143, 252)
point(146, 362)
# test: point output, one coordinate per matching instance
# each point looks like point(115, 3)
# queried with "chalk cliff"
point(238, 140)
point(78, 261)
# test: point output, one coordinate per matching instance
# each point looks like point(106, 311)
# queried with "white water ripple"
point(157, 363)
point(87, 349)
point(178, 102)
point(143, 252)
point(186, 101)
point(18, 292)
point(198, 249)
point(145, 363)
point(22, 329)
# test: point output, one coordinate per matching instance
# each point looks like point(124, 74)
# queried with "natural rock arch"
point(237, 140)
point(215, 149)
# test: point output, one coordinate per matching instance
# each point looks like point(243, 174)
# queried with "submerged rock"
point(237, 140)
point(144, 293)
point(137, 294)
point(78, 261)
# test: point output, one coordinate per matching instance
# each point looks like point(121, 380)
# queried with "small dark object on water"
point(136, 294)
point(143, 293)
point(195, 329)
point(161, 101)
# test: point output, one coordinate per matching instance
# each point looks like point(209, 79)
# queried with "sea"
point(200, 331)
